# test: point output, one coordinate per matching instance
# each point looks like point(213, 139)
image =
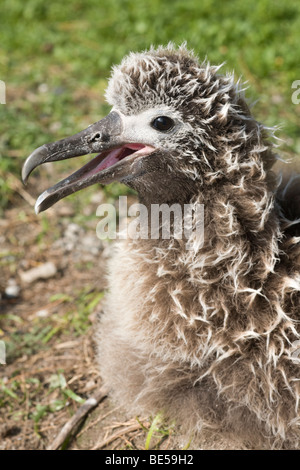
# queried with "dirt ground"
point(48, 326)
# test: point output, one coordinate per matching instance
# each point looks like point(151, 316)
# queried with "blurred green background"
point(55, 58)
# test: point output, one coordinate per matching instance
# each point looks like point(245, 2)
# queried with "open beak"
point(113, 163)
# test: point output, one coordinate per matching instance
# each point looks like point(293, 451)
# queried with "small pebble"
point(12, 291)
point(42, 313)
point(43, 88)
point(43, 271)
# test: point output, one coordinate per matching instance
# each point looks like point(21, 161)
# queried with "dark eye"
point(162, 123)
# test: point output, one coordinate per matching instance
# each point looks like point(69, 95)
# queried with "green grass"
point(73, 318)
point(55, 58)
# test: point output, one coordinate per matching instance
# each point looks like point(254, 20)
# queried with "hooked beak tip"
point(24, 175)
point(90, 140)
point(35, 159)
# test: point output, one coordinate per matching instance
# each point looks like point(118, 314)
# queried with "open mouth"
point(115, 162)
point(109, 158)
point(108, 166)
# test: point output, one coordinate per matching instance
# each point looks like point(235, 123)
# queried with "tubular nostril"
point(98, 136)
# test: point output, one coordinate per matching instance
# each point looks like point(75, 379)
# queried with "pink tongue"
point(110, 160)
point(114, 156)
